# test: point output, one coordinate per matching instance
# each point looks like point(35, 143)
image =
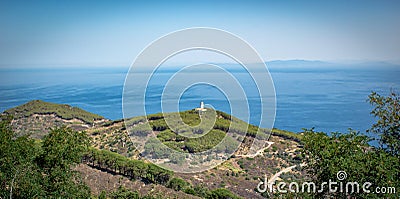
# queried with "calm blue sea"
point(328, 99)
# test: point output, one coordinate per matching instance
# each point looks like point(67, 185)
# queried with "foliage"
point(20, 177)
point(31, 170)
point(149, 173)
point(63, 147)
point(177, 184)
point(140, 130)
point(387, 110)
point(123, 193)
point(327, 155)
point(224, 123)
point(135, 169)
point(221, 194)
point(287, 135)
point(62, 110)
point(204, 192)
point(234, 125)
point(134, 120)
point(190, 117)
point(197, 190)
point(156, 150)
point(205, 142)
point(168, 135)
point(191, 145)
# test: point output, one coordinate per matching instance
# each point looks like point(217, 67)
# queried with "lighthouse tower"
point(201, 108)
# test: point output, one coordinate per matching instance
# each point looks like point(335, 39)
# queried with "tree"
point(352, 153)
point(63, 148)
point(123, 193)
point(387, 110)
point(221, 193)
point(20, 177)
point(177, 184)
point(31, 169)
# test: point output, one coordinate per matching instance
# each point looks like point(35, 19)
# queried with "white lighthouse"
point(201, 108)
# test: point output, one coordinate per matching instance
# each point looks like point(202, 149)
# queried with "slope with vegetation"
point(38, 117)
point(102, 162)
point(63, 111)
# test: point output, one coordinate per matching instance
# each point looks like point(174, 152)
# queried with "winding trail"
point(276, 175)
point(259, 152)
point(287, 169)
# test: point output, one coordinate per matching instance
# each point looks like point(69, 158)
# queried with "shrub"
point(177, 184)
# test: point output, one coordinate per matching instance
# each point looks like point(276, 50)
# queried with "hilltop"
point(38, 117)
point(63, 111)
point(240, 174)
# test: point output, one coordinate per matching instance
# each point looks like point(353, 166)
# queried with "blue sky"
point(112, 33)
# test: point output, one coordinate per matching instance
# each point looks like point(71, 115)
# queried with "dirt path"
point(259, 152)
point(276, 175)
point(287, 169)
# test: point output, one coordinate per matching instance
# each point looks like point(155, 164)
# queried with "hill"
point(240, 173)
point(37, 117)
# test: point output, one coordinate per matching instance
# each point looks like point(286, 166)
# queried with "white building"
point(201, 108)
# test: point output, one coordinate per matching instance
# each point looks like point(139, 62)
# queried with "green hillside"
point(224, 123)
point(62, 110)
point(102, 161)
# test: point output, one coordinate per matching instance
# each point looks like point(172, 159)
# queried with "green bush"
point(177, 184)
point(221, 193)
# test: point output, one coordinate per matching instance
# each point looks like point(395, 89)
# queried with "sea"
point(328, 99)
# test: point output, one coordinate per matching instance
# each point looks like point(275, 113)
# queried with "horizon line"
point(345, 63)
